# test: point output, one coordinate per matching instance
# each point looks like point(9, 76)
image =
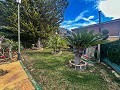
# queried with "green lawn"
point(53, 73)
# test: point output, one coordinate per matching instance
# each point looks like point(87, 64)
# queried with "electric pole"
point(99, 33)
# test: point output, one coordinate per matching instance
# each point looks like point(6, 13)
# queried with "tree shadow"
point(47, 64)
point(39, 53)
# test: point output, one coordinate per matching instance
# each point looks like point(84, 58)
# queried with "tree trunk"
point(77, 59)
point(38, 43)
point(10, 53)
point(78, 54)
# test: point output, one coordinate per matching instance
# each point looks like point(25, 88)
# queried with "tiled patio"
point(15, 79)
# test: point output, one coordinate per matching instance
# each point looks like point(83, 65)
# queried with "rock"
point(117, 75)
point(90, 64)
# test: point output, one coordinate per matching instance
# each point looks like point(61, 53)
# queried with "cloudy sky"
point(85, 12)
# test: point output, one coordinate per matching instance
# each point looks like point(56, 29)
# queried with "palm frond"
point(84, 39)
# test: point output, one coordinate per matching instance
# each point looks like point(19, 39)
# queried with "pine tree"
point(39, 18)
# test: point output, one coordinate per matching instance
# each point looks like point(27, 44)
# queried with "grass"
point(53, 73)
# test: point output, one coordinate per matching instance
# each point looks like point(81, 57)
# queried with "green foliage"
point(56, 42)
point(112, 51)
point(105, 32)
point(39, 18)
point(7, 32)
point(84, 39)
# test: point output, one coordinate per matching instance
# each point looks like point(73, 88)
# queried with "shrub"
point(114, 52)
point(105, 32)
point(56, 42)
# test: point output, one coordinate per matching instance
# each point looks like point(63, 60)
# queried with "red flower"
point(2, 57)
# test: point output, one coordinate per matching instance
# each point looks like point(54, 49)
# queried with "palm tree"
point(81, 40)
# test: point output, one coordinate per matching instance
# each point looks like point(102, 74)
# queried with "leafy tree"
point(81, 40)
point(39, 18)
point(56, 42)
point(4, 31)
point(105, 33)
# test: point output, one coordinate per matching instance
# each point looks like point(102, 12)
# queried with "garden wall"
point(113, 65)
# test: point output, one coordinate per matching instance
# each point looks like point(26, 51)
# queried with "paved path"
point(15, 79)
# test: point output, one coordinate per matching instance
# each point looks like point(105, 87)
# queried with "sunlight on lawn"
point(53, 73)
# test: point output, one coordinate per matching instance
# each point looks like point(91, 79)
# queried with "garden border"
point(34, 83)
point(112, 65)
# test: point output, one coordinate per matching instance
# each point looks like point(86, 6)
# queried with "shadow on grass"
point(39, 53)
point(45, 60)
point(43, 64)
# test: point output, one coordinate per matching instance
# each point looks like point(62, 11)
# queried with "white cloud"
point(80, 16)
point(77, 25)
point(72, 27)
point(71, 24)
point(110, 8)
point(68, 22)
point(90, 17)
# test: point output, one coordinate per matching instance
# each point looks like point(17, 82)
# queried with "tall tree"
point(39, 18)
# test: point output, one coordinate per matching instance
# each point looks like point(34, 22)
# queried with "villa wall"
point(113, 27)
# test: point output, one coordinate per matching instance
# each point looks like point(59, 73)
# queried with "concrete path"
point(15, 79)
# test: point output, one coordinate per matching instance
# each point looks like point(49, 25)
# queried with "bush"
point(112, 51)
point(56, 42)
point(105, 32)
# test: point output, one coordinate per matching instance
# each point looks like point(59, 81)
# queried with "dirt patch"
point(3, 72)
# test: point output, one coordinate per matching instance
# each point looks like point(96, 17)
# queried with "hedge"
point(111, 51)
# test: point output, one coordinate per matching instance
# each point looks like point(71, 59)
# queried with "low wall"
point(112, 65)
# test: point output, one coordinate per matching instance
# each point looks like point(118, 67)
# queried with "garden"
point(54, 73)
point(53, 58)
point(52, 69)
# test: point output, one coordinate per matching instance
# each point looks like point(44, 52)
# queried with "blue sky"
point(85, 12)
